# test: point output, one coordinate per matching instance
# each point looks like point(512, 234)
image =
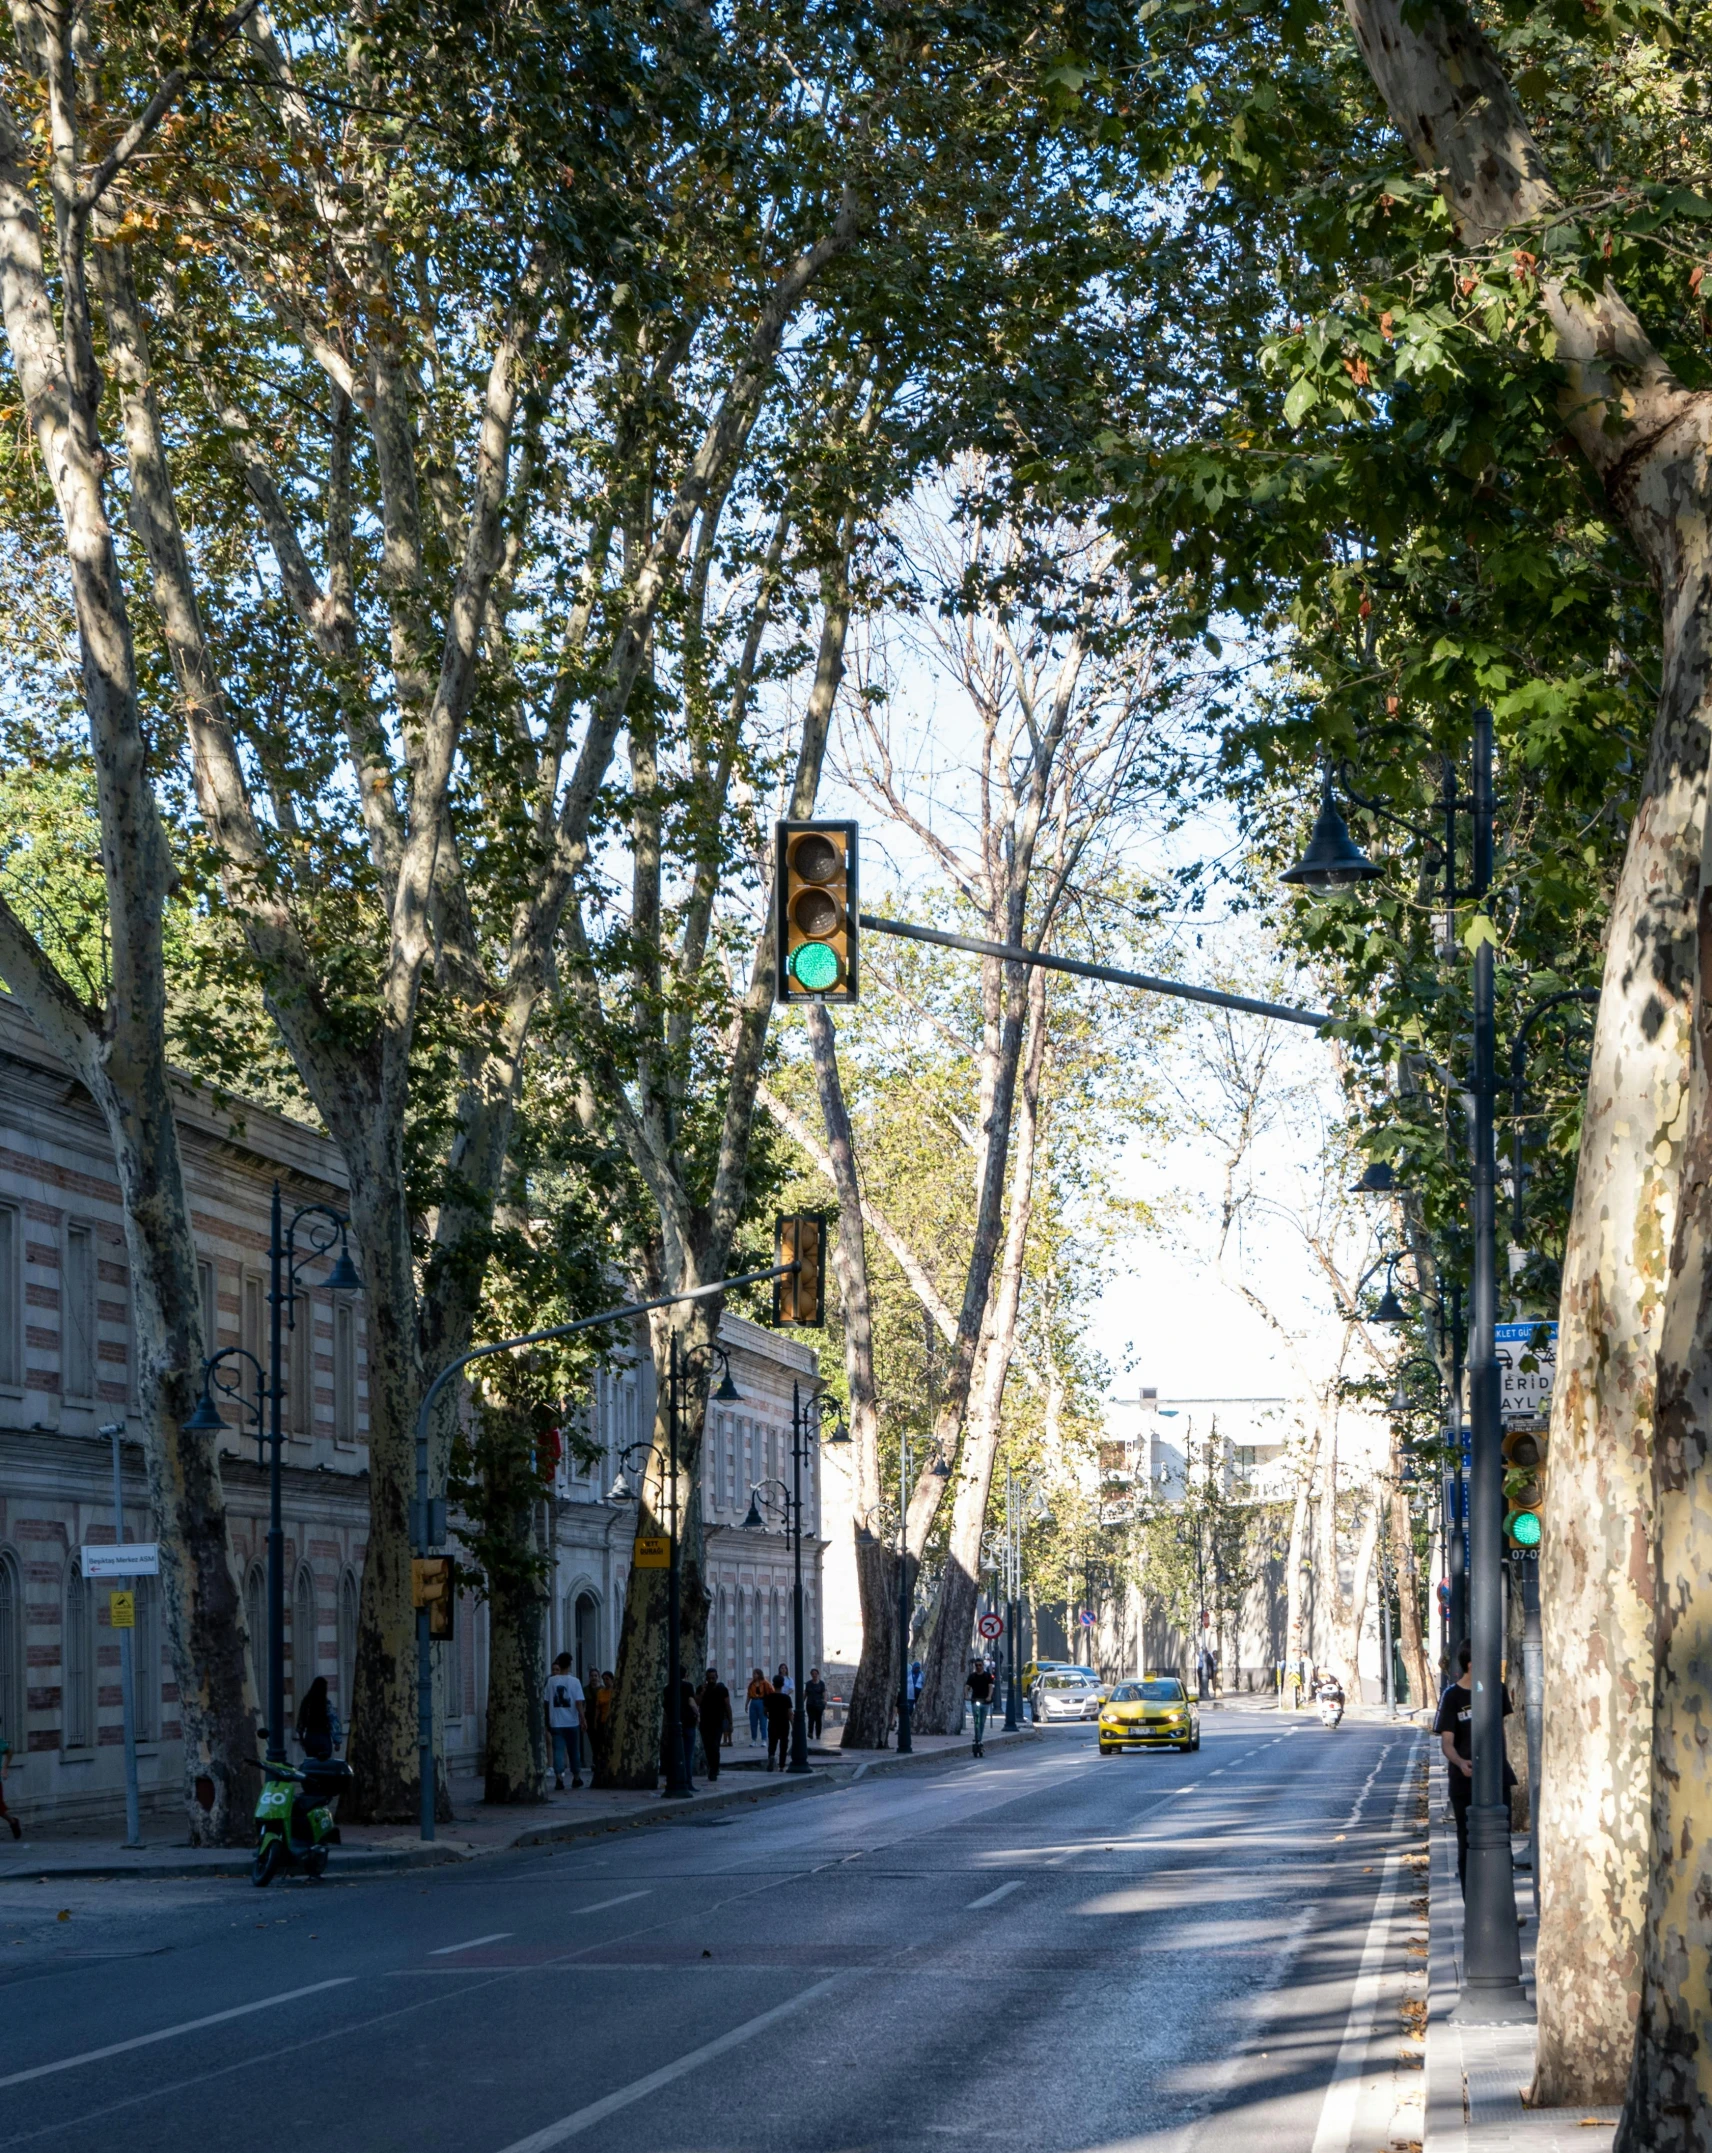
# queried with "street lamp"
point(326, 1229)
point(1492, 1965)
point(806, 1414)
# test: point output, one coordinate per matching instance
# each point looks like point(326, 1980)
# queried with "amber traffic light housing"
point(816, 924)
point(1524, 1486)
point(799, 1294)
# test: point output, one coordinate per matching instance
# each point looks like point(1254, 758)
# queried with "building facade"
point(67, 1365)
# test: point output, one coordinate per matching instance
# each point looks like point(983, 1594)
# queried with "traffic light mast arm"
point(1012, 954)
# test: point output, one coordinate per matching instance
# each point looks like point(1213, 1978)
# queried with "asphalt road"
point(1044, 1949)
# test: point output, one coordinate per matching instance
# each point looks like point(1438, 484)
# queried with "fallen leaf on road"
point(64, 1914)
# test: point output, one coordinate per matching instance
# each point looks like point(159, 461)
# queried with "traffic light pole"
point(1492, 1963)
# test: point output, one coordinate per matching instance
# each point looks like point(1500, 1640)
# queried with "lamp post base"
point(1492, 1992)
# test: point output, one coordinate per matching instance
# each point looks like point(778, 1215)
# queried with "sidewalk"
point(93, 1850)
point(1476, 2074)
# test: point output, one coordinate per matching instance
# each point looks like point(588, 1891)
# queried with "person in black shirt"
point(979, 1690)
point(1454, 1727)
point(814, 1703)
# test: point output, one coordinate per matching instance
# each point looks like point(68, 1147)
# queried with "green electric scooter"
point(294, 1822)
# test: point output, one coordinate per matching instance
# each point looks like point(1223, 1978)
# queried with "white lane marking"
point(170, 2033)
point(993, 1897)
point(1367, 1787)
point(600, 1905)
point(1337, 2114)
point(475, 1943)
point(583, 2119)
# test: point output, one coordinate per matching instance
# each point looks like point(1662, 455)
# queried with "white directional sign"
point(991, 1625)
point(1527, 1366)
point(137, 1558)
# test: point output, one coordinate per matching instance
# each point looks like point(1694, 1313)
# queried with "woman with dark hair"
point(315, 1720)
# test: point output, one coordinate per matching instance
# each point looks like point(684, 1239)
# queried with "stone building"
point(66, 1374)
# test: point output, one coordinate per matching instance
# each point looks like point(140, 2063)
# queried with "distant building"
point(67, 1367)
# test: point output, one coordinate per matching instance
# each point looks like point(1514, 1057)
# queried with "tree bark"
point(516, 1762)
point(119, 1054)
point(1668, 2105)
point(1408, 1601)
point(1646, 438)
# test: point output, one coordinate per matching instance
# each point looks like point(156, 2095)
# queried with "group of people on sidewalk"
point(704, 1717)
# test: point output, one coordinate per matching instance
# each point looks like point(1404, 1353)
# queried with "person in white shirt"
point(564, 1702)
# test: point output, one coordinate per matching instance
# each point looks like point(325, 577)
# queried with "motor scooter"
point(1331, 1707)
point(294, 1821)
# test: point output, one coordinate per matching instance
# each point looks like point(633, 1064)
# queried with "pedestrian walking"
point(316, 1721)
point(564, 1706)
point(814, 1703)
point(916, 1679)
point(689, 1719)
point(713, 1701)
point(1454, 1726)
point(979, 1690)
point(756, 1696)
point(777, 1705)
point(782, 1681)
point(5, 1760)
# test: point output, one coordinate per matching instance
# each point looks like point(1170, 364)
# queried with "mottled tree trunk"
point(1668, 2108)
point(517, 1752)
point(1409, 1637)
point(1644, 436)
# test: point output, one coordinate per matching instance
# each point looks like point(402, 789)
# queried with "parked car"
point(1066, 1693)
point(1032, 1673)
point(1154, 1713)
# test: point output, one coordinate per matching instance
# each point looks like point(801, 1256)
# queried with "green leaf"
point(1479, 929)
point(1301, 400)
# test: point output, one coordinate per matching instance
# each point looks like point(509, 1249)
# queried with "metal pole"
point(799, 1717)
point(1492, 1963)
point(1389, 1692)
point(677, 1778)
point(1533, 1699)
point(276, 1530)
point(127, 1661)
point(905, 1745)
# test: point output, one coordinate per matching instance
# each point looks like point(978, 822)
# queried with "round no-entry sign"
point(991, 1625)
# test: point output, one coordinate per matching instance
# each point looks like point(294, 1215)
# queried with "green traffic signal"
point(1523, 1527)
point(814, 966)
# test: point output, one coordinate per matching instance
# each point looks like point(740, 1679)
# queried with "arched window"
point(586, 1634)
point(12, 1655)
point(145, 1661)
point(347, 1640)
point(77, 1661)
point(255, 1626)
point(300, 1670)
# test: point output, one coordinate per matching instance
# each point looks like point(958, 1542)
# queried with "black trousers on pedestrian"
point(778, 1738)
point(1459, 1805)
point(814, 1726)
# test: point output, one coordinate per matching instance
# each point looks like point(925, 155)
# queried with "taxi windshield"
point(1126, 1693)
point(1165, 1691)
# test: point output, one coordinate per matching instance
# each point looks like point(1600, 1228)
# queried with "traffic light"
point(814, 875)
point(433, 1586)
point(799, 1296)
point(1524, 1486)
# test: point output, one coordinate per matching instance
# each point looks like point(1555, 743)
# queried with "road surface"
point(1045, 1949)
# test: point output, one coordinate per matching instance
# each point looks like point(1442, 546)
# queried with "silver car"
point(1068, 1693)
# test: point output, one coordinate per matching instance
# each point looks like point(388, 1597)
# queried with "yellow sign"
point(653, 1551)
point(122, 1610)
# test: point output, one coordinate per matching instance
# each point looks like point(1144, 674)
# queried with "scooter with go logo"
point(294, 1820)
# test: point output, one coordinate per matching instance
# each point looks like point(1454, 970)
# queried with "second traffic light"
point(814, 875)
point(800, 1295)
point(1524, 1486)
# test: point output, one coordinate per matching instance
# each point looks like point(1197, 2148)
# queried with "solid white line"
point(993, 1897)
point(168, 2033)
point(1367, 1787)
point(600, 1905)
point(475, 1943)
point(583, 2119)
point(1337, 2115)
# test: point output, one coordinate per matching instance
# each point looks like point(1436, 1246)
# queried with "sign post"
point(122, 1613)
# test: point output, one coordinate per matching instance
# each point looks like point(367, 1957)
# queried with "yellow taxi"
point(1153, 1712)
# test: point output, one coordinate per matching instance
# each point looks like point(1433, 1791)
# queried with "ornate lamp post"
point(1492, 1987)
point(807, 1414)
point(327, 1228)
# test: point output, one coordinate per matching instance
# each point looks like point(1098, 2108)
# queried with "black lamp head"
point(840, 1431)
point(205, 1420)
point(621, 1491)
point(754, 1522)
point(727, 1393)
point(942, 1468)
point(1333, 860)
point(1378, 1179)
point(1390, 1309)
point(343, 1277)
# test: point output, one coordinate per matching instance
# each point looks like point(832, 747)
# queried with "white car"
point(1068, 1693)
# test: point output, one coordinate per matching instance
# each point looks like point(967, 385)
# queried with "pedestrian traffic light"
point(432, 1586)
point(1524, 1486)
point(814, 876)
point(799, 1294)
